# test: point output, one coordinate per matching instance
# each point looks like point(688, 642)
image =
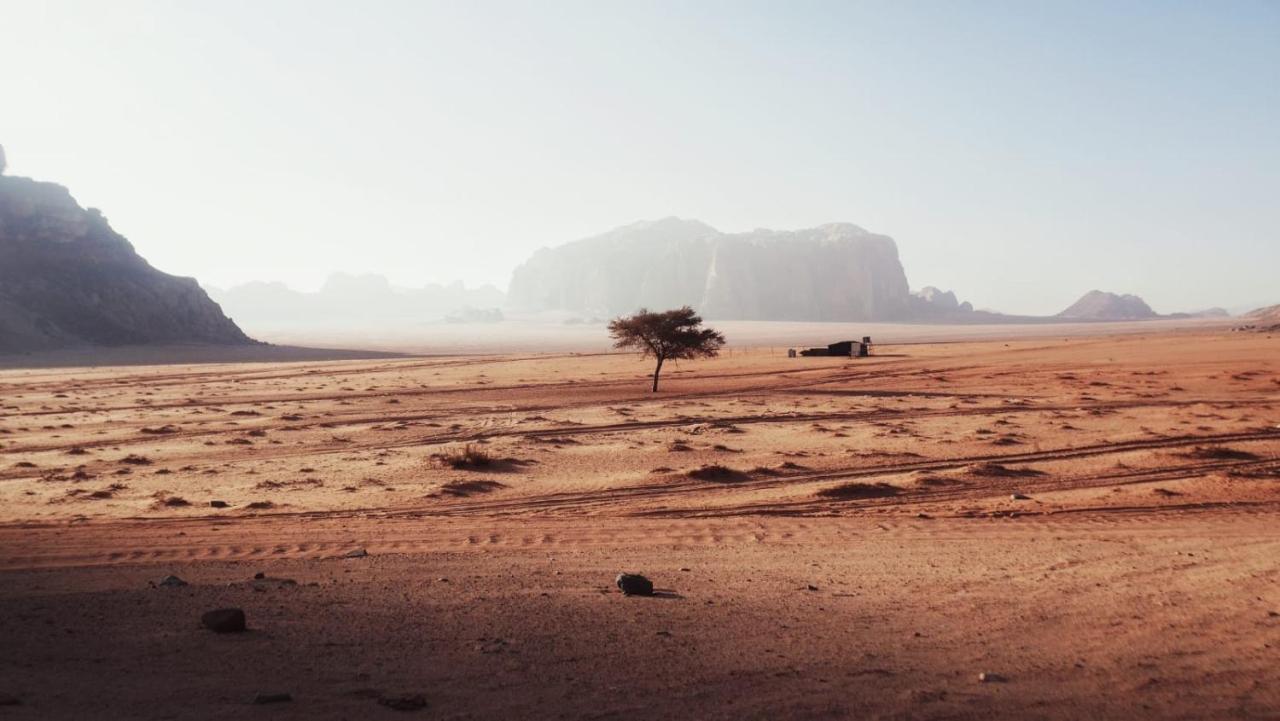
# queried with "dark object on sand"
point(272, 698)
point(633, 584)
point(407, 702)
point(224, 620)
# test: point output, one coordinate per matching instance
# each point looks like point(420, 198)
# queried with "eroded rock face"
point(67, 278)
point(835, 272)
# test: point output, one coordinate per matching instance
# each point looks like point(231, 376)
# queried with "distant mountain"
point(355, 302)
point(68, 279)
point(1271, 312)
point(1266, 319)
point(1206, 313)
point(834, 272)
point(1099, 305)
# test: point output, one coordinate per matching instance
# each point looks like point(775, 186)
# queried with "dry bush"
point(468, 457)
point(164, 500)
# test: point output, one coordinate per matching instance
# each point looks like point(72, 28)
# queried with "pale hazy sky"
point(1020, 152)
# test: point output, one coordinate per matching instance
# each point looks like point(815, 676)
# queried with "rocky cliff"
point(835, 272)
point(67, 279)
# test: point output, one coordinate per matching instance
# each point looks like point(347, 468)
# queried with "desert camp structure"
point(845, 348)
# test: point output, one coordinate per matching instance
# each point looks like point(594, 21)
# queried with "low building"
point(844, 348)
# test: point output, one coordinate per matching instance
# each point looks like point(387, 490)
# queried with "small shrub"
point(468, 457)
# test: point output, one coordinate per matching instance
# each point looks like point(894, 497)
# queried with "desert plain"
point(1029, 528)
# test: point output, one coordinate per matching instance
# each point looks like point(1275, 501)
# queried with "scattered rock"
point(224, 620)
point(1018, 497)
point(633, 584)
point(259, 575)
point(988, 677)
point(171, 582)
point(272, 698)
point(355, 553)
point(219, 504)
point(406, 702)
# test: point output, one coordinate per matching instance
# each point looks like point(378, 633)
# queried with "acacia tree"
point(674, 334)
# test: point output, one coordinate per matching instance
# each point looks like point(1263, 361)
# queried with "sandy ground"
point(1093, 520)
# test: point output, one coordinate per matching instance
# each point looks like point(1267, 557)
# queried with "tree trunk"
point(656, 371)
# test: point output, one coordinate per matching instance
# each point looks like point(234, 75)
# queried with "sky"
point(1020, 153)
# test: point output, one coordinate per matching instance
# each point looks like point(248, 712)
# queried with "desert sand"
point(1092, 522)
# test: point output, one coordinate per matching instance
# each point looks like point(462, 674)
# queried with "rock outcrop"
point(929, 303)
point(835, 272)
point(1099, 305)
point(68, 279)
point(1262, 319)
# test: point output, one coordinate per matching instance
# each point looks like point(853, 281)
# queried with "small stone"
point(355, 553)
point(272, 698)
point(259, 575)
point(406, 702)
point(442, 579)
point(686, 569)
point(219, 504)
point(1018, 497)
point(171, 582)
point(224, 620)
point(988, 677)
point(811, 587)
point(633, 584)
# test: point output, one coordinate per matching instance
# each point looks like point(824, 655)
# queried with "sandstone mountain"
point(1099, 305)
point(1267, 319)
point(835, 272)
point(68, 279)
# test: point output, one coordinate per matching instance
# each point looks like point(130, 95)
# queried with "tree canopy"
point(673, 334)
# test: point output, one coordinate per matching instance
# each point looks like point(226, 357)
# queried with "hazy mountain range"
point(356, 301)
point(834, 272)
point(67, 278)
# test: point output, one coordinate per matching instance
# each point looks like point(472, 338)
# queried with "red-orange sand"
point(1093, 522)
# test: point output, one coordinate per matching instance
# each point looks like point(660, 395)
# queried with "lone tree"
point(673, 334)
